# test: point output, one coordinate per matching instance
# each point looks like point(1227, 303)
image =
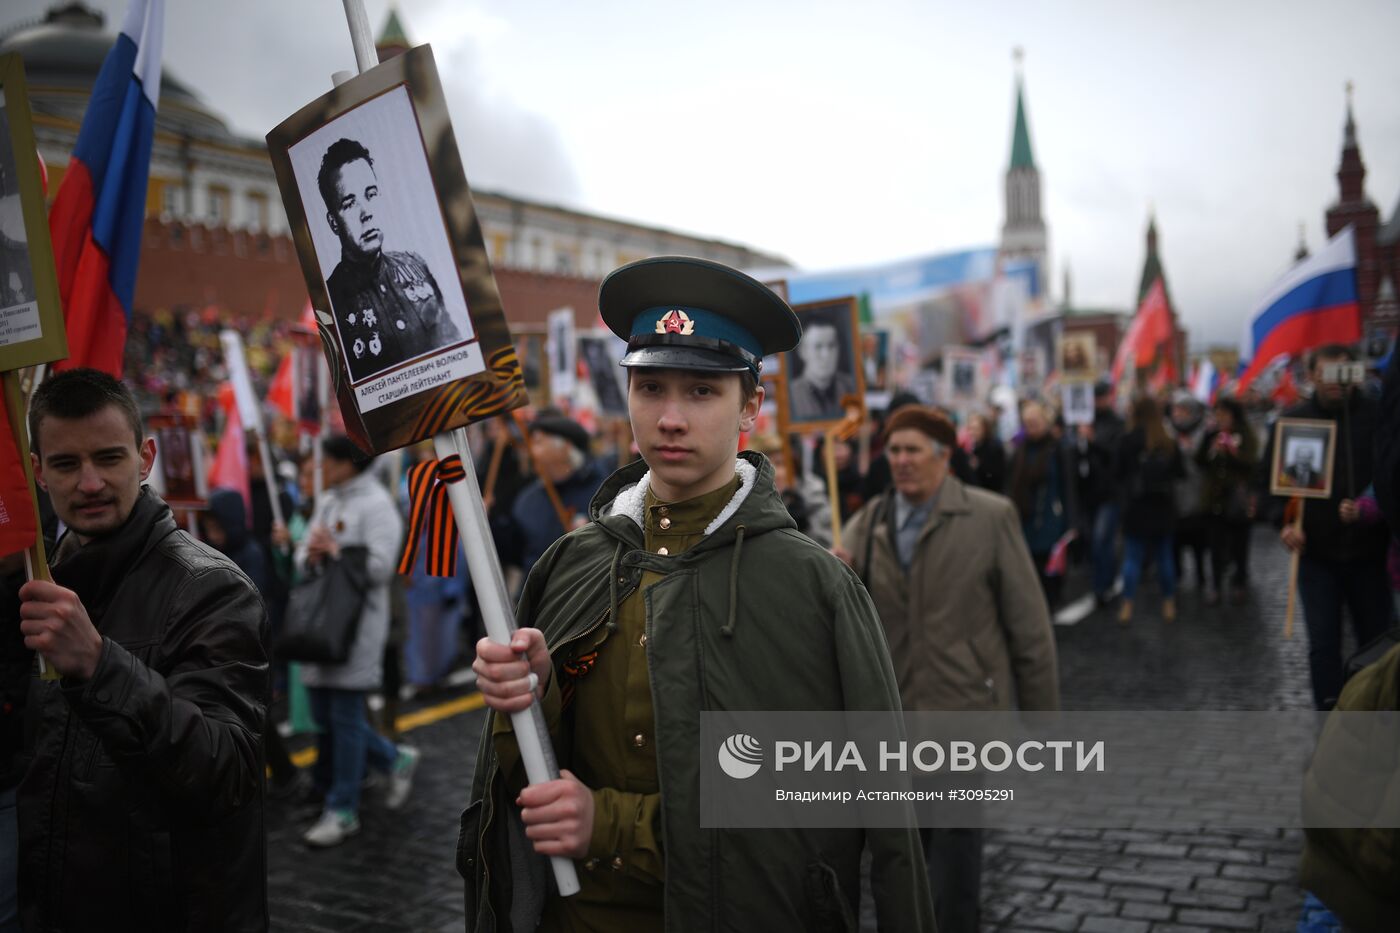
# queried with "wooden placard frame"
point(1280, 483)
point(43, 309)
point(839, 311)
point(463, 393)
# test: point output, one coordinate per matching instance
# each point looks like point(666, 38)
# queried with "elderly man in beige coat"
point(962, 608)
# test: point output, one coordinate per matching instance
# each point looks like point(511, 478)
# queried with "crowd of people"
point(954, 549)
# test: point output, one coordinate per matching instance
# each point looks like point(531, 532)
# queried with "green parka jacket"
point(1356, 872)
point(754, 617)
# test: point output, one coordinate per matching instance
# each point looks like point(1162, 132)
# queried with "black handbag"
point(323, 611)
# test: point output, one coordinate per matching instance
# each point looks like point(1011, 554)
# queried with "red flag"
point(17, 527)
point(230, 467)
point(1150, 329)
point(280, 393)
point(1286, 392)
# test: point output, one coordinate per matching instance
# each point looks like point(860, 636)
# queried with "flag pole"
point(1293, 562)
point(531, 732)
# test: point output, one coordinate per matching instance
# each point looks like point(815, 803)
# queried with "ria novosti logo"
point(740, 756)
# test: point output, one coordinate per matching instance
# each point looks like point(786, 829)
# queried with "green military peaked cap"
point(677, 312)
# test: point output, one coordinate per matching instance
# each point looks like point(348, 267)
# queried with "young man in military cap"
point(689, 590)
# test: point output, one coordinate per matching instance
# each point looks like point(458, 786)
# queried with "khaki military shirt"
point(608, 725)
point(389, 311)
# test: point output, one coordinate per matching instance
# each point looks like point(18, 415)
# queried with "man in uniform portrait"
point(387, 305)
point(816, 395)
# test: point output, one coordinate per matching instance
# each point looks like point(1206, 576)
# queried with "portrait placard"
point(391, 247)
point(1077, 401)
point(31, 317)
point(962, 378)
point(534, 363)
point(309, 384)
point(822, 379)
point(178, 472)
point(1079, 356)
point(602, 354)
point(1304, 454)
point(562, 346)
point(876, 367)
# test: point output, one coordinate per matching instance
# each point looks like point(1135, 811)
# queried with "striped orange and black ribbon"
point(430, 509)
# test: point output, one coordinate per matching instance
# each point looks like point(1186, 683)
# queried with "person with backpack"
point(1148, 467)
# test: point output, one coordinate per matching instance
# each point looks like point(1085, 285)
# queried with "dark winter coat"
point(1227, 473)
point(142, 806)
point(987, 464)
point(227, 508)
point(1148, 480)
point(1386, 475)
point(537, 523)
point(1042, 486)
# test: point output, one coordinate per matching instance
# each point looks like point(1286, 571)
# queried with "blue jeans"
point(1324, 586)
point(9, 863)
point(1103, 547)
point(344, 747)
point(1136, 551)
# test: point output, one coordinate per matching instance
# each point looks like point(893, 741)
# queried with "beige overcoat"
point(967, 625)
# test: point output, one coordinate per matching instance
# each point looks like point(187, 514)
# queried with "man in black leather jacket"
point(141, 804)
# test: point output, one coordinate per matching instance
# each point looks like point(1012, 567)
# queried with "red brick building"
point(1377, 244)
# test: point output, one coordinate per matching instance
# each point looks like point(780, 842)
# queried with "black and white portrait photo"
point(380, 238)
point(1077, 402)
point(1303, 456)
point(16, 273)
point(600, 351)
point(822, 374)
point(961, 377)
point(307, 364)
point(561, 347)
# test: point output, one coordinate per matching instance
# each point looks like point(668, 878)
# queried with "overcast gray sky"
point(842, 133)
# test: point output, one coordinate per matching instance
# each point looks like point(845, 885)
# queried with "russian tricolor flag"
point(1206, 382)
point(1315, 303)
point(100, 206)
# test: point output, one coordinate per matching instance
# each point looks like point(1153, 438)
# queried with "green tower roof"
point(392, 33)
point(1021, 139)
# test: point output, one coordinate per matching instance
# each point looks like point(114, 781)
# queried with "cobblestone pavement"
point(398, 874)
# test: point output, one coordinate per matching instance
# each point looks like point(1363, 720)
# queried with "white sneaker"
point(401, 778)
point(333, 828)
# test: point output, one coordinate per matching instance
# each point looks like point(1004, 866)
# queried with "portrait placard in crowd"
point(602, 354)
point(391, 249)
point(179, 468)
point(876, 366)
point(1079, 356)
point(31, 318)
point(962, 378)
point(1077, 401)
point(561, 346)
point(824, 382)
point(1304, 453)
point(534, 363)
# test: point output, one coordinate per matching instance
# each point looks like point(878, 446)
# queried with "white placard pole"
point(531, 732)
